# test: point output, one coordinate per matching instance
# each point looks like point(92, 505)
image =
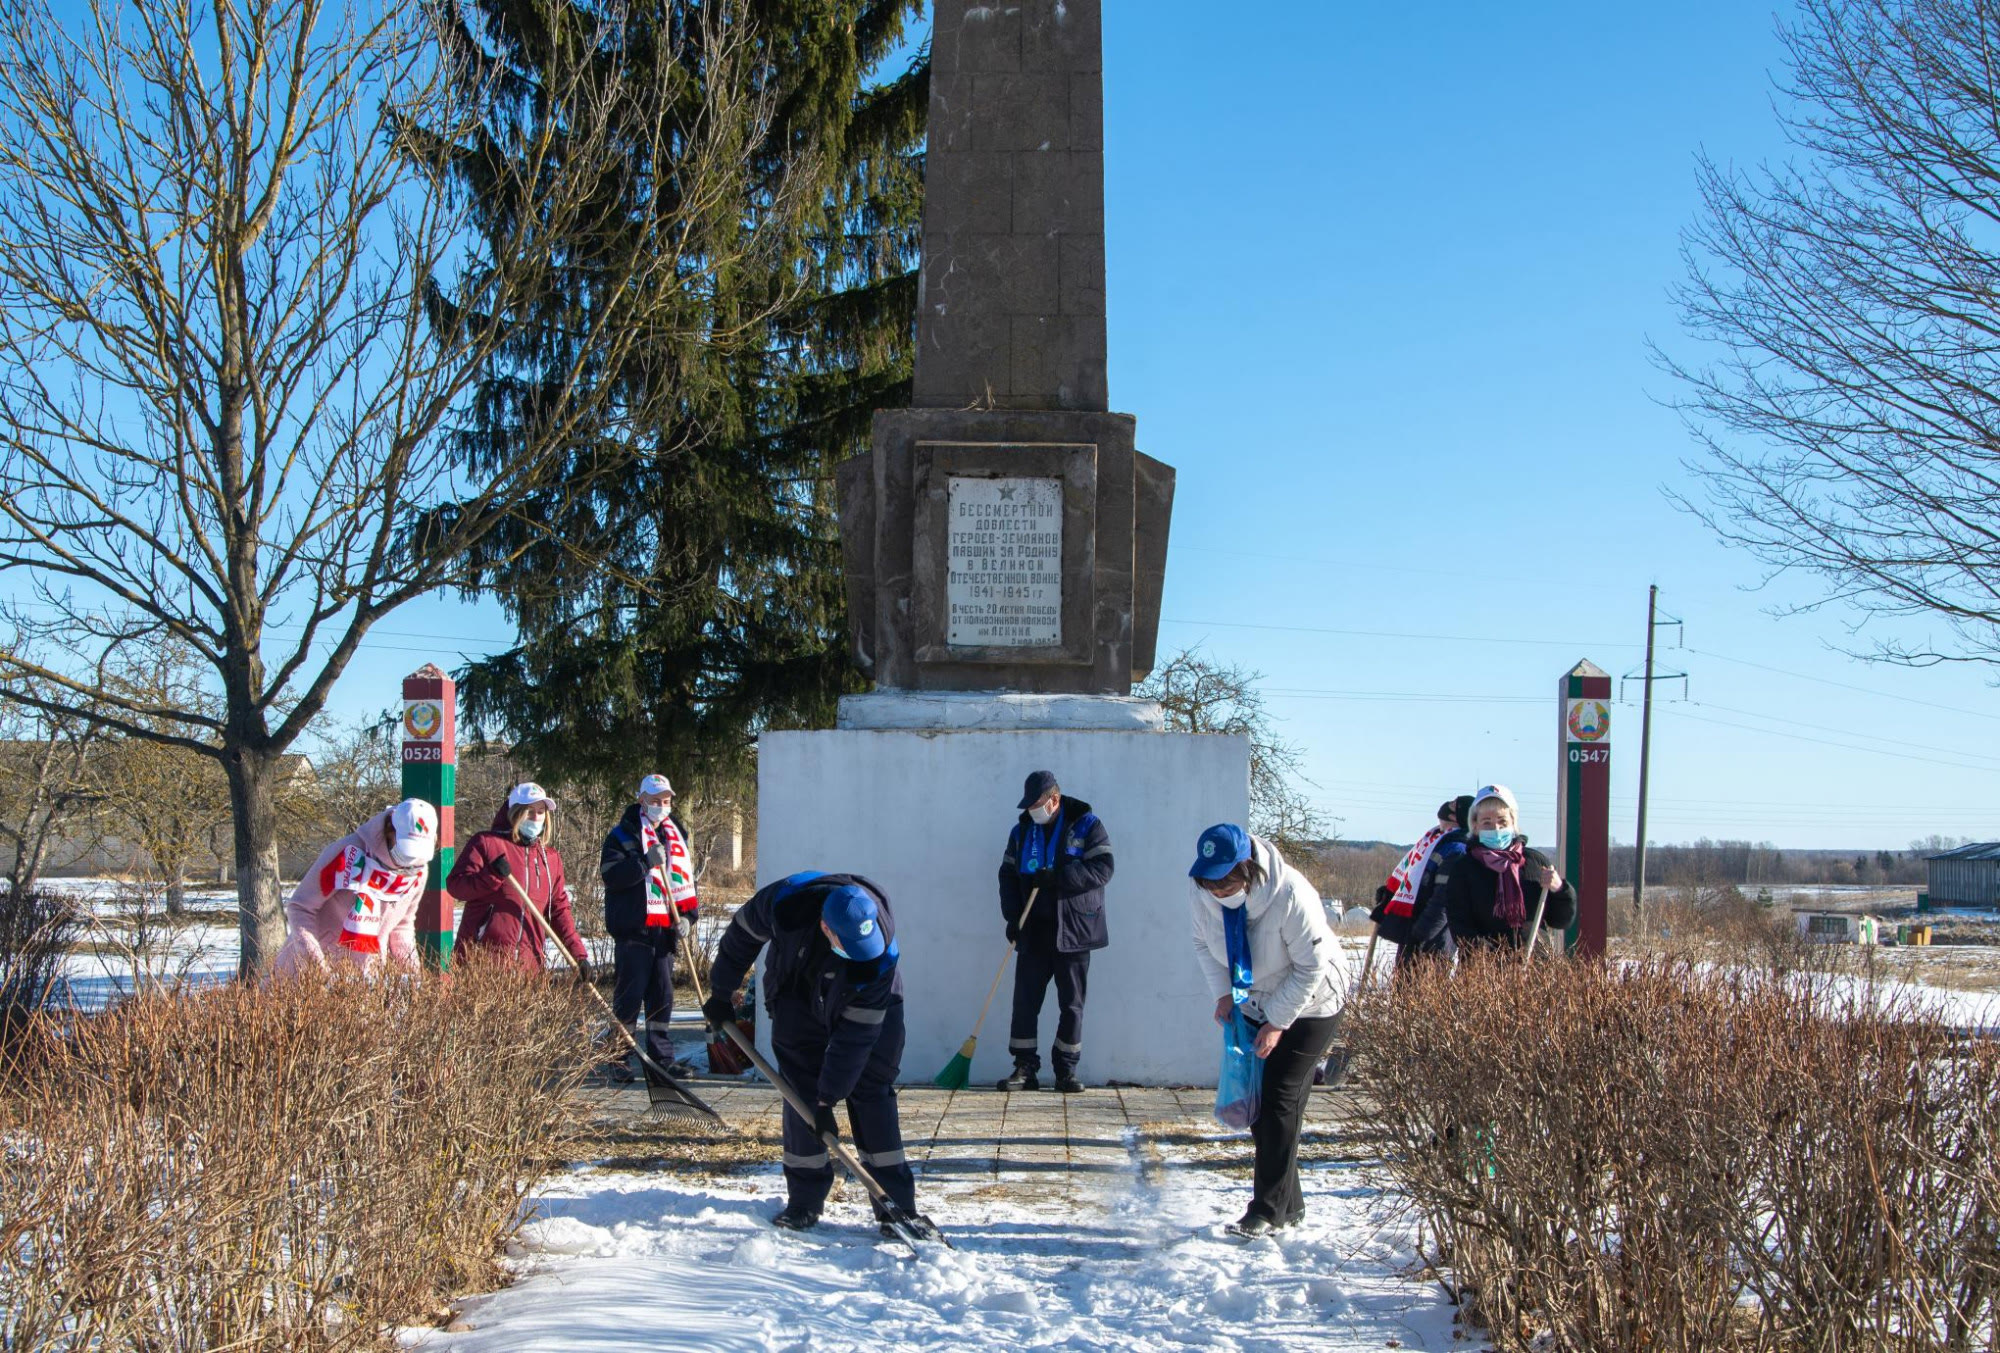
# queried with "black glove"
point(657, 856)
point(1013, 933)
point(583, 972)
point(1382, 895)
point(719, 1011)
point(502, 867)
point(823, 1124)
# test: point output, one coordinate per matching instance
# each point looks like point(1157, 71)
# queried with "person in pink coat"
point(494, 918)
point(356, 908)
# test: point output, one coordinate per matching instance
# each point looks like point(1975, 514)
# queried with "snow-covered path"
point(1081, 1254)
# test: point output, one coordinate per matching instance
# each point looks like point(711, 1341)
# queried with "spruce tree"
point(683, 591)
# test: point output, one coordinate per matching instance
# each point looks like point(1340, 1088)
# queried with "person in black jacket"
point(835, 997)
point(1430, 931)
point(1490, 896)
point(1061, 854)
point(645, 903)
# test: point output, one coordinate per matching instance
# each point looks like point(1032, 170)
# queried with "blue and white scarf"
point(1038, 845)
point(1236, 936)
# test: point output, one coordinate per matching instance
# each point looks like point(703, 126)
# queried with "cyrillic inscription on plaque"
point(1004, 579)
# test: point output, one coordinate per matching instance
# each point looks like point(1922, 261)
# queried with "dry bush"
point(297, 1166)
point(1662, 1156)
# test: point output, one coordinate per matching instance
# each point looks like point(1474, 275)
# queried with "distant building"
point(1966, 877)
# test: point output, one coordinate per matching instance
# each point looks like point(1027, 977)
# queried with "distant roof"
point(1978, 850)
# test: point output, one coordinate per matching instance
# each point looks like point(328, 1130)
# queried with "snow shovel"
point(958, 1071)
point(1340, 1056)
point(1535, 920)
point(909, 1227)
point(663, 1092)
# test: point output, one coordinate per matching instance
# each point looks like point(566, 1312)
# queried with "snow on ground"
point(618, 1261)
point(198, 952)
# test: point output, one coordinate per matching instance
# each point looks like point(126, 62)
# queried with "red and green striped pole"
point(430, 772)
point(1583, 801)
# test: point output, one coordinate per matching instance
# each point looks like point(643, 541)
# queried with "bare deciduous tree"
point(1853, 423)
point(241, 317)
point(1203, 695)
point(49, 783)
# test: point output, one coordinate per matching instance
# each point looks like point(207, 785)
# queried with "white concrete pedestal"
point(926, 815)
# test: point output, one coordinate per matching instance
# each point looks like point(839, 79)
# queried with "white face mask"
point(410, 854)
point(654, 813)
point(1040, 814)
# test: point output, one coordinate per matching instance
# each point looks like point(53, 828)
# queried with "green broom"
point(958, 1071)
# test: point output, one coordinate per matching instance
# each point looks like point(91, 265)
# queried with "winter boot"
point(1068, 1084)
point(1024, 1078)
point(796, 1217)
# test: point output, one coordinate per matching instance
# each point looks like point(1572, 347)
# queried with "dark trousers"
point(644, 975)
point(1288, 1073)
point(1034, 968)
point(799, 1040)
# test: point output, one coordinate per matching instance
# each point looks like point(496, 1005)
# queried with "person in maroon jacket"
point(493, 917)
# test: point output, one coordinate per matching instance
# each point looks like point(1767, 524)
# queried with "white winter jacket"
point(1297, 969)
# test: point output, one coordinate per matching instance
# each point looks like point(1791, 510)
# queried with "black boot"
point(1068, 1084)
point(1024, 1078)
point(1250, 1225)
point(796, 1217)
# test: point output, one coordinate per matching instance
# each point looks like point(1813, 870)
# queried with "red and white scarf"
point(674, 882)
point(374, 889)
point(1407, 877)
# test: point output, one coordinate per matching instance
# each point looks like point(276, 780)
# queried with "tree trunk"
point(259, 900)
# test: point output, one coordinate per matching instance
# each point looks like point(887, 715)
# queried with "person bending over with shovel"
point(649, 905)
point(835, 998)
point(1502, 894)
point(517, 846)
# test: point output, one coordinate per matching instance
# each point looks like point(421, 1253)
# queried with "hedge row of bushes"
point(1667, 1157)
point(302, 1166)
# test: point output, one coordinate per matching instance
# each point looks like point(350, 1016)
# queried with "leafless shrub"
point(1670, 1156)
point(298, 1166)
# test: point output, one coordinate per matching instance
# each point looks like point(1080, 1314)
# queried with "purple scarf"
point(1510, 907)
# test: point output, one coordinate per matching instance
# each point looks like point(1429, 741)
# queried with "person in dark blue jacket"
point(835, 998)
point(644, 919)
point(1061, 854)
point(1430, 934)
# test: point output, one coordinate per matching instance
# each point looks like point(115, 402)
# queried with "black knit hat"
point(1463, 805)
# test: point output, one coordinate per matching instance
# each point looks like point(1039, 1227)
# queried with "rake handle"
point(1535, 922)
point(596, 995)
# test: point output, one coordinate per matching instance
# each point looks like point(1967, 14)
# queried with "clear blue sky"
point(1382, 279)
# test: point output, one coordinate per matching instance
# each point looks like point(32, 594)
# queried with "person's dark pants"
point(644, 976)
point(799, 1040)
point(1288, 1071)
point(1034, 968)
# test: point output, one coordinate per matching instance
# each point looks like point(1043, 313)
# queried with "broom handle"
point(994, 990)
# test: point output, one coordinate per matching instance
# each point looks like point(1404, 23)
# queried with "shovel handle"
point(835, 1147)
point(1535, 921)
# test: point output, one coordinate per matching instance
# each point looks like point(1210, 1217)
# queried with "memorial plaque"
point(1004, 579)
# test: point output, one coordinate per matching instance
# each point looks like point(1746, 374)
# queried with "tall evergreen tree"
point(693, 595)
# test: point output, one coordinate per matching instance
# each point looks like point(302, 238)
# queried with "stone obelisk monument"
point(1005, 545)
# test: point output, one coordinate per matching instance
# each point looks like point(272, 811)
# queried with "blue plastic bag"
point(1239, 1090)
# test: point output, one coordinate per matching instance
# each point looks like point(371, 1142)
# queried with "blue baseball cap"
point(850, 913)
point(1221, 848)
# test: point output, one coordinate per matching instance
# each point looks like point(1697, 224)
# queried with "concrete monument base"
point(925, 813)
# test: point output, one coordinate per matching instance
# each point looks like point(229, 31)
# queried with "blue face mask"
point(1497, 840)
point(530, 828)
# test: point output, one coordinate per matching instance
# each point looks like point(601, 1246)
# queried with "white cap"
point(528, 792)
point(656, 784)
point(1500, 792)
point(416, 826)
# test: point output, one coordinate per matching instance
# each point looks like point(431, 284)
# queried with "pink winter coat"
point(493, 917)
point(314, 915)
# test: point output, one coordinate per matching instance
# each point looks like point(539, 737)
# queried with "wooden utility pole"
point(1645, 756)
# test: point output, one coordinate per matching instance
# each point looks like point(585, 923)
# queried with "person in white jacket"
point(1264, 946)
